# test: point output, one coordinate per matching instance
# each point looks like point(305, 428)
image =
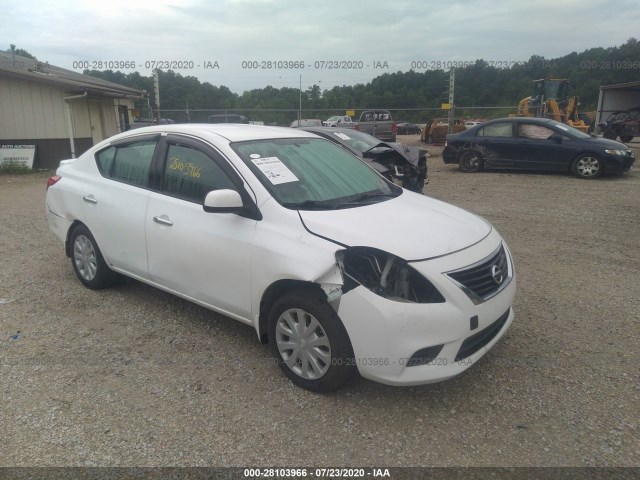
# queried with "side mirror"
point(223, 201)
point(556, 137)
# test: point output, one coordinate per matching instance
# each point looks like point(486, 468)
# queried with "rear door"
point(115, 205)
point(497, 144)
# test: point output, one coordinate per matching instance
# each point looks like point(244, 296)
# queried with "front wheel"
point(587, 166)
point(87, 260)
point(470, 161)
point(609, 135)
point(626, 138)
point(309, 342)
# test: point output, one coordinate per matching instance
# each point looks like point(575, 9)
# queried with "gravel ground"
point(132, 376)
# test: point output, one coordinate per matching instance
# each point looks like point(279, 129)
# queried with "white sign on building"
point(17, 155)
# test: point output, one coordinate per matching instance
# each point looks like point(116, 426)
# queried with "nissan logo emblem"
point(496, 273)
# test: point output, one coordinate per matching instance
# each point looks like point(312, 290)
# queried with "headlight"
point(386, 275)
point(616, 152)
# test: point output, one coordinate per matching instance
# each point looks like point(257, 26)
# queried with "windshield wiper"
point(311, 205)
point(366, 196)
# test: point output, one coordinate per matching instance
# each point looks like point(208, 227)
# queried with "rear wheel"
point(470, 161)
point(309, 342)
point(587, 166)
point(626, 138)
point(87, 260)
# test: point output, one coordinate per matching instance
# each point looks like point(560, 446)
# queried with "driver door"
point(204, 256)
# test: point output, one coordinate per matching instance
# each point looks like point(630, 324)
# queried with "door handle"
point(90, 199)
point(163, 220)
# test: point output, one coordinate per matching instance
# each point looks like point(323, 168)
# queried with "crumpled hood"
point(411, 226)
point(409, 153)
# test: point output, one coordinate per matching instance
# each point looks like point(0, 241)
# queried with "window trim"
point(123, 143)
point(251, 209)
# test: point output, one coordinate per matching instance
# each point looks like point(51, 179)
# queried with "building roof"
point(622, 86)
point(73, 82)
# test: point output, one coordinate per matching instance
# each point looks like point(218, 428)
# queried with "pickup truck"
point(342, 121)
point(377, 123)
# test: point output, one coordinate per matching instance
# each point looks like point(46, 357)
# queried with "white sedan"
point(338, 269)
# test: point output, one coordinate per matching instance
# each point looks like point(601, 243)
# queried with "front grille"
point(475, 342)
point(485, 278)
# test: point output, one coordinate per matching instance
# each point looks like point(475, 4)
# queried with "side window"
point(534, 131)
point(190, 174)
point(105, 161)
point(128, 163)
point(496, 130)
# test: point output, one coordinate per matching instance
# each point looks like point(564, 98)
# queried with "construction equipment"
point(436, 130)
point(550, 99)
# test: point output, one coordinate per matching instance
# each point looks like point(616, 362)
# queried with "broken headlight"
point(386, 275)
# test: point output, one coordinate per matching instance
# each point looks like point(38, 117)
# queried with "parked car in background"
point(472, 123)
point(148, 122)
point(406, 128)
point(227, 118)
point(306, 122)
point(338, 269)
point(377, 123)
point(403, 165)
point(536, 144)
point(343, 121)
point(624, 124)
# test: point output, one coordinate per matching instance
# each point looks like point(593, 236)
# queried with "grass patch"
point(14, 168)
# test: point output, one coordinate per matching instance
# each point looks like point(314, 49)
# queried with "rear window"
point(496, 130)
point(128, 163)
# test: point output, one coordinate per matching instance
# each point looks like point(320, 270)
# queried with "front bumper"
point(386, 334)
point(619, 163)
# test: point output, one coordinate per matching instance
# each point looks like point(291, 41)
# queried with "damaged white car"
point(338, 269)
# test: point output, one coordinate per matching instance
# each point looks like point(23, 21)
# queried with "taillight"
point(53, 180)
point(394, 128)
point(356, 126)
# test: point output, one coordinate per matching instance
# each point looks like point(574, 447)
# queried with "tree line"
point(419, 93)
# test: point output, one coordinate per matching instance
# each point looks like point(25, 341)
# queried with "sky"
point(247, 44)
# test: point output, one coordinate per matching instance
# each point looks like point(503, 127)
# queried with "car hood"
point(605, 143)
point(410, 153)
point(411, 226)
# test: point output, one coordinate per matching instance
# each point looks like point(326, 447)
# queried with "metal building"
point(60, 112)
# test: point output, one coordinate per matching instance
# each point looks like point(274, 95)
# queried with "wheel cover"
point(85, 257)
point(588, 166)
point(471, 161)
point(303, 344)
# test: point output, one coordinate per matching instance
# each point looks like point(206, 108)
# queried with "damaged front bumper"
point(398, 342)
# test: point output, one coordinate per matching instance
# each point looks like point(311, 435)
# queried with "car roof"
point(328, 129)
point(233, 132)
point(540, 121)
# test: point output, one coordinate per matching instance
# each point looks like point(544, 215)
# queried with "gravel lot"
point(133, 376)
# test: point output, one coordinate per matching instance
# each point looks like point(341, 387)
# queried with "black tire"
point(470, 161)
point(626, 138)
point(330, 363)
point(587, 166)
point(609, 135)
point(87, 260)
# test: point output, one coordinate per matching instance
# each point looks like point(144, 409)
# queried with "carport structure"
point(616, 97)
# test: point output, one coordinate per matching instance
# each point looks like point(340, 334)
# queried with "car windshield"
point(358, 140)
point(309, 173)
point(331, 119)
point(572, 132)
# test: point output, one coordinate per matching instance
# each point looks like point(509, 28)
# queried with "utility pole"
point(300, 108)
point(452, 81)
point(156, 88)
